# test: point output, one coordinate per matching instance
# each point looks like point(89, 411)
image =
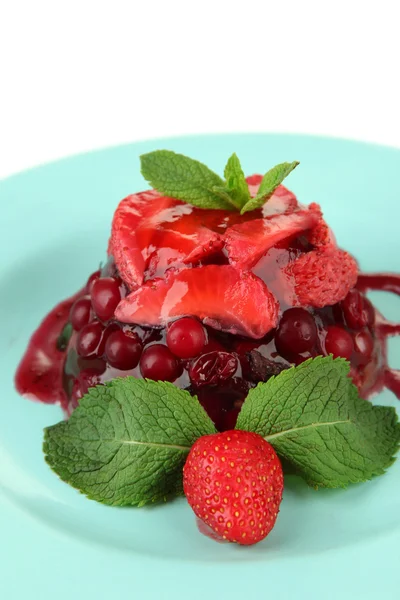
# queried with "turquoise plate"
point(54, 543)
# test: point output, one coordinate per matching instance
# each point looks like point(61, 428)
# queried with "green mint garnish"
point(183, 178)
point(268, 185)
point(189, 180)
point(315, 419)
point(128, 440)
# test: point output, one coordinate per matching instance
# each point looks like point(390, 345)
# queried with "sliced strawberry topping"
point(322, 277)
point(123, 244)
point(282, 200)
point(151, 233)
point(221, 296)
point(248, 242)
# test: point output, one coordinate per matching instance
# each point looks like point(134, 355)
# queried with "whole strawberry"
point(233, 481)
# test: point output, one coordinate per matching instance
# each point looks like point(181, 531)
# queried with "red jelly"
point(214, 302)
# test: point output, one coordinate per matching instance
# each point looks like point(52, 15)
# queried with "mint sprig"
point(271, 180)
point(128, 440)
point(315, 419)
point(191, 181)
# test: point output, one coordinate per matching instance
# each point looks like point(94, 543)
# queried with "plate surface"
point(54, 542)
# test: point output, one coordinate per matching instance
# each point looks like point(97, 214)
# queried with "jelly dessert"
point(214, 300)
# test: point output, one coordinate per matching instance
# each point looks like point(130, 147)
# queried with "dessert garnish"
point(136, 442)
point(226, 332)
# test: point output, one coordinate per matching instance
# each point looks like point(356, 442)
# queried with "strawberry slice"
point(221, 296)
point(248, 242)
point(322, 277)
point(152, 233)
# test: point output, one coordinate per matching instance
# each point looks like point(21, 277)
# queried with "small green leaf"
point(183, 178)
point(127, 441)
point(314, 418)
point(268, 185)
point(236, 182)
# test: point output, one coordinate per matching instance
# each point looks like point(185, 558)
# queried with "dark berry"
point(80, 313)
point(93, 277)
point(213, 368)
point(158, 363)
point(363, 346)
point(297, 332)
point(123, 349)
point(357, 310)
point(186, 338)
point(338, 342)
point(89, 340)
point(229, 419)
point(105, 297)
point(216, 403)
point(261, 368)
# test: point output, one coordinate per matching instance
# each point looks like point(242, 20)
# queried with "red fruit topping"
point(338, 342)
point(149, 229)
point(322, 278)
point(246, 243)
point(214, 368)
point(233, 481)
point(105, 297)
point(357, 310)
point(91, 281)
point(282, 200)
point(158, 363)
point(220, 296)
point(297, 332)
point(186, 338)
point(80, 313)
point(321, 236)
point(123, 349)
point(89, 340)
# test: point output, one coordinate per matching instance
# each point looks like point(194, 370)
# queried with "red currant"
point(89, 340)
point(158, 363)
point(105, 297)
point(123, 349)
point(80, 313)
point(297, 332)
point(338, 342)
point(186, 338)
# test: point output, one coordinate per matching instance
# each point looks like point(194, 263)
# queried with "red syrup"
point(383, 282)
point(40, 373)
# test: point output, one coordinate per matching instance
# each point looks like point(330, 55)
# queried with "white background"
point(76, 75)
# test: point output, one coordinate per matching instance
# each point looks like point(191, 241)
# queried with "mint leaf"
point(314, 418)
point(127, 442)
point(236, 182)
point(183, 178)
point(268, 185)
